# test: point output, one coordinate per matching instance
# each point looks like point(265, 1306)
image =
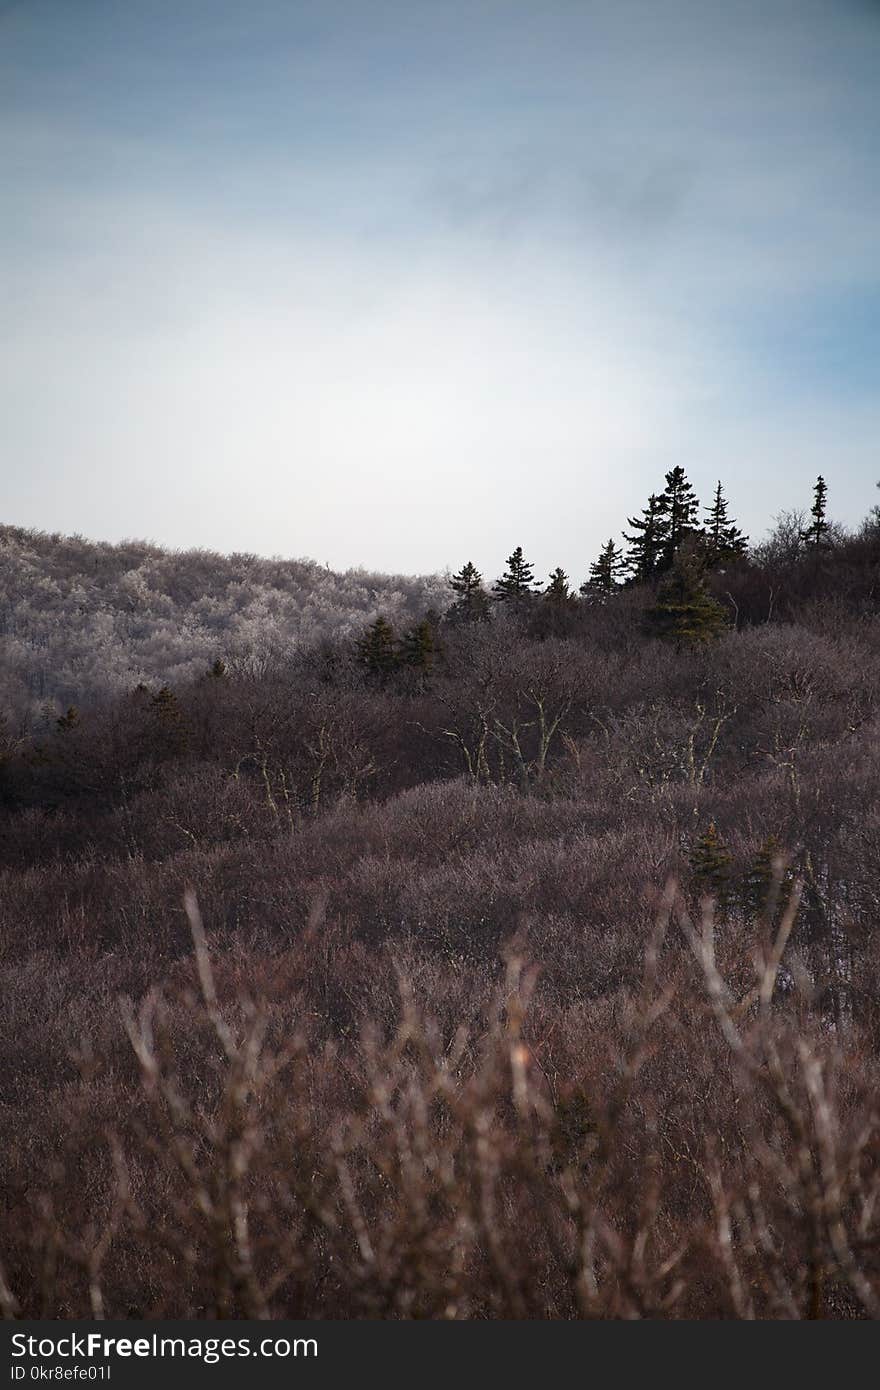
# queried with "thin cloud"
point(335, 276)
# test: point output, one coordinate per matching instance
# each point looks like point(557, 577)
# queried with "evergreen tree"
point(377, 650)
point(768, 868)
point(517, 585)
point(710, 867)
point(558, 591)
point(817, 532)
point(472, 604)
point(418, 650)
point(646, 546)
point(556, 613)
point(679, 508)
point(684, 612)
point(168, 725)
point(724, 541)
point(605, 574)
point(164, 705)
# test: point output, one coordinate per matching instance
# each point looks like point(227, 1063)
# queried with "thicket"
point(515, 956)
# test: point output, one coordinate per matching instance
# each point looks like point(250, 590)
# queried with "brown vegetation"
point(451, 1042)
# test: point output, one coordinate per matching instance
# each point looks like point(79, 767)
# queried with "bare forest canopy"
point(433, 947)
point(84, 620)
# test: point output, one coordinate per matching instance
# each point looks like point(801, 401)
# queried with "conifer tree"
point(377, 650)
point(517, 585)
point(168, 720)
point(684, 612)
point(472, 604)
point(418, 649)
point(724, 541)
point(710, 867)
point(768, 869)
point(164, 704)
point(817, 532)
point(558, 591)
point(646, 546)
point(605, 574)
point(679, 507)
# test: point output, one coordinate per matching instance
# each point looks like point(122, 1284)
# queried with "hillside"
point(516, 961)
point(82, 620)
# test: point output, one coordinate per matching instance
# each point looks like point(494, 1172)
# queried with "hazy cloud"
point(402, 283)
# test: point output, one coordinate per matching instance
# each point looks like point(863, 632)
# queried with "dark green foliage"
point(765, 877)
point(472, 604)
point(575, 1131)
point(817, 533)
point(679, 508)
point(169, 728)
point(646, 546)
point(377, 649)
point(725, 543)
point(558, 591)
point(684, 612)
point(517, 585)
point(418, 649)
point(164, 704)
point(605, 574)
point(710, 867)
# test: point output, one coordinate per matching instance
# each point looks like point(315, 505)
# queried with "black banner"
point(130, 1355)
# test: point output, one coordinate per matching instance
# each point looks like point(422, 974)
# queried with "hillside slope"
point(81, 619)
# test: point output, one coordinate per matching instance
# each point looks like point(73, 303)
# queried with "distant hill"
point(80, 618)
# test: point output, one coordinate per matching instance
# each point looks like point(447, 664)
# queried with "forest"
point(430, 947)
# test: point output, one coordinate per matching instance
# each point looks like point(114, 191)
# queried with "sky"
point(402, 283)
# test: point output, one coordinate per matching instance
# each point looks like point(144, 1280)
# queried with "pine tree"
point(710, 867)
point(768, 869)
point(558, 591)
point(517, 585)
point(817, 532)
point(377, 650)
point(679, 507)
point(169, 726)
point(164, 704)
point(646, 546)
point(605, 574)
point(724, 541)
point(684, 612)
point(472, 604)
point(418, 649)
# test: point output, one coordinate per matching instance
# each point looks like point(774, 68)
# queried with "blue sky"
point(400, 284)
